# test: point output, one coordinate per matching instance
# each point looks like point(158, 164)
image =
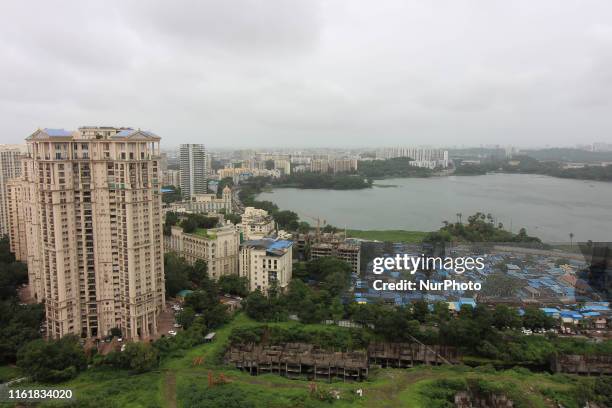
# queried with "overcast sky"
point(312, 73)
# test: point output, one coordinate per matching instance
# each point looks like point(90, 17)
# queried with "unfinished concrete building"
point(299, 360)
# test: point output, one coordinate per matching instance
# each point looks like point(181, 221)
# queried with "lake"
point(548, 207)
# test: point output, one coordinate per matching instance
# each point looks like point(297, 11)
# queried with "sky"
point(293, 73)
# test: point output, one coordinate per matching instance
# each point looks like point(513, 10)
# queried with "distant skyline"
point(308, 73)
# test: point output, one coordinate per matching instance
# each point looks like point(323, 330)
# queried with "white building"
point(421, 156)
point(194, 165)
point(256, 224)
point(266, 262)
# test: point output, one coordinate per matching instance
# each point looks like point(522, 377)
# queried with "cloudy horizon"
point(311, 73)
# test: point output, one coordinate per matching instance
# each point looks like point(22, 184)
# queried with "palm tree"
point(571, 236)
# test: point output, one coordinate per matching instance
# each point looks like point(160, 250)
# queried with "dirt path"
point(170, 389)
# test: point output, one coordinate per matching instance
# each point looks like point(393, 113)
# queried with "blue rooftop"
point(58, 132)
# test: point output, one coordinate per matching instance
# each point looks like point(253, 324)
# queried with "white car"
point(176, 325)
point(119, 339)
point(172, 333)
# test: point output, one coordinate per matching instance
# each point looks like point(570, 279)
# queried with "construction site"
point(301, 360)
point(404, 355)
point(582, 364)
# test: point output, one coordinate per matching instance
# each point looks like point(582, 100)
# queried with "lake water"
point(548, 207)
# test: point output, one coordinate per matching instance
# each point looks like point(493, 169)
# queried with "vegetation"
point(19, 324)
point(479, 228)
point(530, 165)
point(391, 168)
point(388, 235)
point(172, 197)
point(180, 274)
point(326, 181)
point(234, 285)
point(52, 360)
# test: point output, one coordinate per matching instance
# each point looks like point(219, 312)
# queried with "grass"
point(389, 235)
point(8, 373)
point(417, 387)
point(203, 232)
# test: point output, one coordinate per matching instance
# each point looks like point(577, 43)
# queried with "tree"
point(336, 309)
point(198, 273)
point(177, 272)
point(505, 317)
point(256, 306)
point(420, 311)
point(140, 357)
point(186, 317)
point(234, 285)
point(333, 273)
point(53, 360)
point(536, 319)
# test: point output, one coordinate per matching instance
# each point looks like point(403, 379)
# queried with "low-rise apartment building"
point(256, 224)
point(266, 263)
point(218, 247)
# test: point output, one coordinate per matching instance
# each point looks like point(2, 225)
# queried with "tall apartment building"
point(344, 165)
point(90, 205)
point(172, 178)
point(266, 262)
point(194, 165)
point(319, 165)
point(218, 247)
point(9, 169)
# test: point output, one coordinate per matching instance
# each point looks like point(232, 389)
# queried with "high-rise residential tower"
point(194, 166)
point(9, 168)
point(90, 212)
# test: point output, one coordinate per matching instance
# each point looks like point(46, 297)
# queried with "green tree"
point(234, 285)
point(140, 357)
point(53, 360)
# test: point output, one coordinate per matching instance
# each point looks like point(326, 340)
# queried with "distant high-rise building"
point(87, 210)
point(194, 166)
point(9, 169)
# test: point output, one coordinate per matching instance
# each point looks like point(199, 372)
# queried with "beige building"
point(9, 169)
point(284, 166)
point(256, 224)
point(347, 251)
point(16, 219)
point(172, 178)
point(91, 208)
point(266, 262)
point(344, 165)
point(218, 247)
point(319, 165)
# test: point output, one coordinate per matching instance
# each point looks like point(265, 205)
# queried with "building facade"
point(421, 156)
point(9, 169)
point(194, 165)
point(172, 178)
point(219, 248)
point(91, 209)
point(347, 251)
point(256, 224)
point(266, 263)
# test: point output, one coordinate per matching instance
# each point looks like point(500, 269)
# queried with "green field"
point(424, 386)
point(388, 235)
point(8, 373)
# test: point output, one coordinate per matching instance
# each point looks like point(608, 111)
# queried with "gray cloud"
point(312, 73)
